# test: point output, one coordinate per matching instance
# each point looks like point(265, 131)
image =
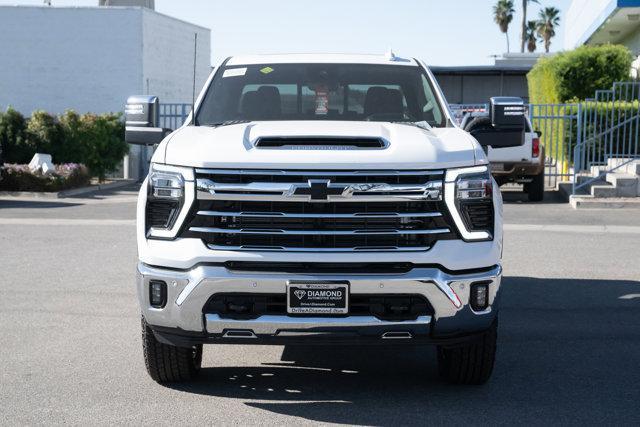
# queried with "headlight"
point(169, 196)
point(469, 197)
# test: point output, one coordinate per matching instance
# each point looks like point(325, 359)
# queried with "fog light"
point(479, 297)
point(157, 293)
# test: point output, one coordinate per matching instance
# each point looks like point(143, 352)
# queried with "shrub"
point(44, 134)
point(103, 143)
point(13, 137)
point(577, 74)
point(15, 177)
point(73, 150)
point(94, 140)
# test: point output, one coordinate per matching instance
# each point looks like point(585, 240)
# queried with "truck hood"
point(233, 146)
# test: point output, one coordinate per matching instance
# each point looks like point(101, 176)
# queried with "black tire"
point(535, 189)
point(470, 363)
point(167, 363)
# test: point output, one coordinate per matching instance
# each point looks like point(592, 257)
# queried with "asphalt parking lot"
point(568, 344)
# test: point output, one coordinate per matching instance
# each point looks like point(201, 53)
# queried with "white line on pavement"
point(61, 221)
point(554, 228)
point(562, 228)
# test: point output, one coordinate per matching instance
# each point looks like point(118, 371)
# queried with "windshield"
point(356, 92)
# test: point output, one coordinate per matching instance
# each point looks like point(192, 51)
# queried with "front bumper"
point(183, 322)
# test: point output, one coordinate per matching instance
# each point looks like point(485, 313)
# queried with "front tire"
point(167, 363)
point(470, 363)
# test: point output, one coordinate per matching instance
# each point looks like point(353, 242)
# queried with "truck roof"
point(319, 58)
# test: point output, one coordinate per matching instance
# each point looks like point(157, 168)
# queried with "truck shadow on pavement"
point(516, 196)
point(568, 350)
point(31, 204)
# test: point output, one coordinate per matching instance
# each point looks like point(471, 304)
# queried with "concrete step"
point(590, 202)
point(581, 179)
point(603, 191)
point(633, 168)
point(625, 165)
point(626, 185)
point(597, 170)
point(616, 162)
point(565, 188)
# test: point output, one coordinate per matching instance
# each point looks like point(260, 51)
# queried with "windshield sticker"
point(233, 72)
point(266, 70)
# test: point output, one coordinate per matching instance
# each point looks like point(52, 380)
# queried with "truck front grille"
point(382, 306)
point(319, 211)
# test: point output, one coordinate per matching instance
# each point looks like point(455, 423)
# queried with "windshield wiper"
point(226, 123)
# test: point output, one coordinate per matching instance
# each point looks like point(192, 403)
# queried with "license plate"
point(498, 167)
point(318, 298)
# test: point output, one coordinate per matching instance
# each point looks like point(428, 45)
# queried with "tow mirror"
point(142, 121)
point(505, 125)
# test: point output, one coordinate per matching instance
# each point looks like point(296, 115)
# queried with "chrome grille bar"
point(356, 215)
point(369, 231)
point(208, 189)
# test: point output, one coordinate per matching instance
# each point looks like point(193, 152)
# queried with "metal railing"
point(608, 135)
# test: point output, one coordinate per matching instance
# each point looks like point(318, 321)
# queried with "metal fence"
point(557, 125)
point(608, 136)
point(172, 116)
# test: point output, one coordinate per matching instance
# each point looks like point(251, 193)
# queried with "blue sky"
point(454, 32)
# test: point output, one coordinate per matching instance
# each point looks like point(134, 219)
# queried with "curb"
point(68, 193)
point(590, 202)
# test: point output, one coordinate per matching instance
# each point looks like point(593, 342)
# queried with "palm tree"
point(532, 35)
point(524, 22)
point(549, 20)
point(503, 15)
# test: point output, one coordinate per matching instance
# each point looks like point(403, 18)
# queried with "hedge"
point(577, 74)
point(15, 177)
point(96, 141)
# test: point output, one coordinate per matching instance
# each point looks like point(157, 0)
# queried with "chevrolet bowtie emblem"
point(319, 190)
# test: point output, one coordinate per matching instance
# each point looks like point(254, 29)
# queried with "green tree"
point(523, 33)
point(532, 35)
point(549, 21)
point(503, 15)
point(103, 143)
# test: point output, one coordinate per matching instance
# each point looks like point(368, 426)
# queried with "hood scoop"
point(320, 143)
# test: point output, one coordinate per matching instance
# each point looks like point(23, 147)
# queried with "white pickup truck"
point(318, 198)
point(522, 164)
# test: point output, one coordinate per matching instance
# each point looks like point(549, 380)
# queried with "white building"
point(91, 58)
point(603, 21)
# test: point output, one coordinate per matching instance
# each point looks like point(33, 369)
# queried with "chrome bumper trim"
point(276, 232)
point(189, 290)
point(274, 325)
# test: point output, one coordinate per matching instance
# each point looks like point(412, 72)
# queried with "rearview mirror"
point(505, 125)
point(142, 121)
